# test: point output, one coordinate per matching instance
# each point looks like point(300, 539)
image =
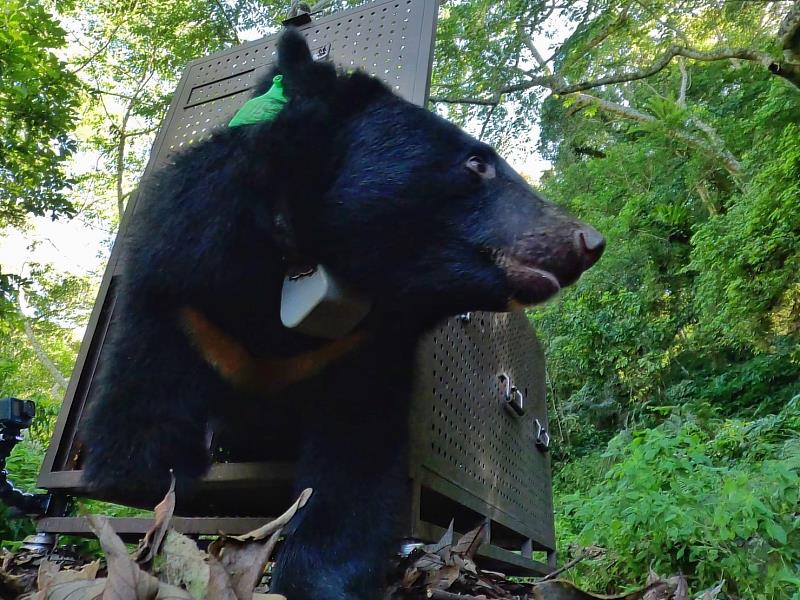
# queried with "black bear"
point(400, 205)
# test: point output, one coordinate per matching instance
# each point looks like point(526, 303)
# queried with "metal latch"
point(512, 397)
point(542, 437)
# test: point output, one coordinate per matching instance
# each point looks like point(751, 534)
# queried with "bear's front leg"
point(149, 412)
point(339, 545)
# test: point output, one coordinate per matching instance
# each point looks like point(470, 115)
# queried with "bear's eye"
point(480, 167)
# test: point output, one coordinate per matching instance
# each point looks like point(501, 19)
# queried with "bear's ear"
point(293, 52)
point(302, 76)
point(359, 89)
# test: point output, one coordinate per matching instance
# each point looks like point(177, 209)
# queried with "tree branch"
point(139, 132)
point(528, 42)
point(97, 52)
point(231, 24)
point(38, 350)
point(547, 82)
point(475, 101)
point(715, 149)
point(123, 138)
point(601, 35)
point(97, 90)
point(320, 5)
point(590, 553)
point(656, 15)
point(488, 118)
point(120, 161)
point(684, 83)
point(660, 63)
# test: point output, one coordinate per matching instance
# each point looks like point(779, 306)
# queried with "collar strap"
point(260, 375)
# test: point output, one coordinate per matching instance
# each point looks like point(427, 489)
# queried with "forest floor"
point(170, 566)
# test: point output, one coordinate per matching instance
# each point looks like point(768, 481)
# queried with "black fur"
point(352, 177)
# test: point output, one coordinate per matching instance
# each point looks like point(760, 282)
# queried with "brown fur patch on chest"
point(263, 375)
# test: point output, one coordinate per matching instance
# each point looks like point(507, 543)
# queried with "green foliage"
point(478, 50)
point(58, 308)
point(697, 296)
point(38, 102)
point(747, 257)
point(712, 499)
point(694, 312)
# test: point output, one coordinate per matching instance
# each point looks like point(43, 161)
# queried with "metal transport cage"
point(479, 420)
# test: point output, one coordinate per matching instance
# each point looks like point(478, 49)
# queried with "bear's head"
point(410, 210)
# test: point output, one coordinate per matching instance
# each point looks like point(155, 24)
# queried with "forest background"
point(672, 125)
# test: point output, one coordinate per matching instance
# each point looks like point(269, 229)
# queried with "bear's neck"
point(251, 349)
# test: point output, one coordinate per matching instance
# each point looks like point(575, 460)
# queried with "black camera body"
point(16, 414)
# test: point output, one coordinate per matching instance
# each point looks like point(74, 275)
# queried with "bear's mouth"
point(530, 284)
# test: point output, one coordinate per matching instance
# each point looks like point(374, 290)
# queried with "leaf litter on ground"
point(168, 565)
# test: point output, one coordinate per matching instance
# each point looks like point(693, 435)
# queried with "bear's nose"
point(590, 244)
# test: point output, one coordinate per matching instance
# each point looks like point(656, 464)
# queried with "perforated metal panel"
point(470, 439)
point(472, 460)
point(385, 39)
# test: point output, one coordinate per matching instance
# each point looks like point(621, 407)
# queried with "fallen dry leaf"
point(46, 574)
point(219, 582)
point(681, 588)
point(96, 589)
point(15, 584)
point(713, 592)
point(445, 563)
point(443, 578)
point(444, 544)
point(126, 581)
point(50, 575)
point(469, 543)
point(8, 558)
point(465, 564)
point(74, 590)
point(244, 562)
point(244, 557)
point(266, 530)
point(495, 574)
point(234, 566)
point(152, 540)
point(429, 562)
point(559, 589)
point(410, 577)
point(220, 585)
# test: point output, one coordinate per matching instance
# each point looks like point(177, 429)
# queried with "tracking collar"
point(313, 301)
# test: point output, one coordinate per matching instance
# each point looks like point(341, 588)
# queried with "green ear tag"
point(262, 108)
